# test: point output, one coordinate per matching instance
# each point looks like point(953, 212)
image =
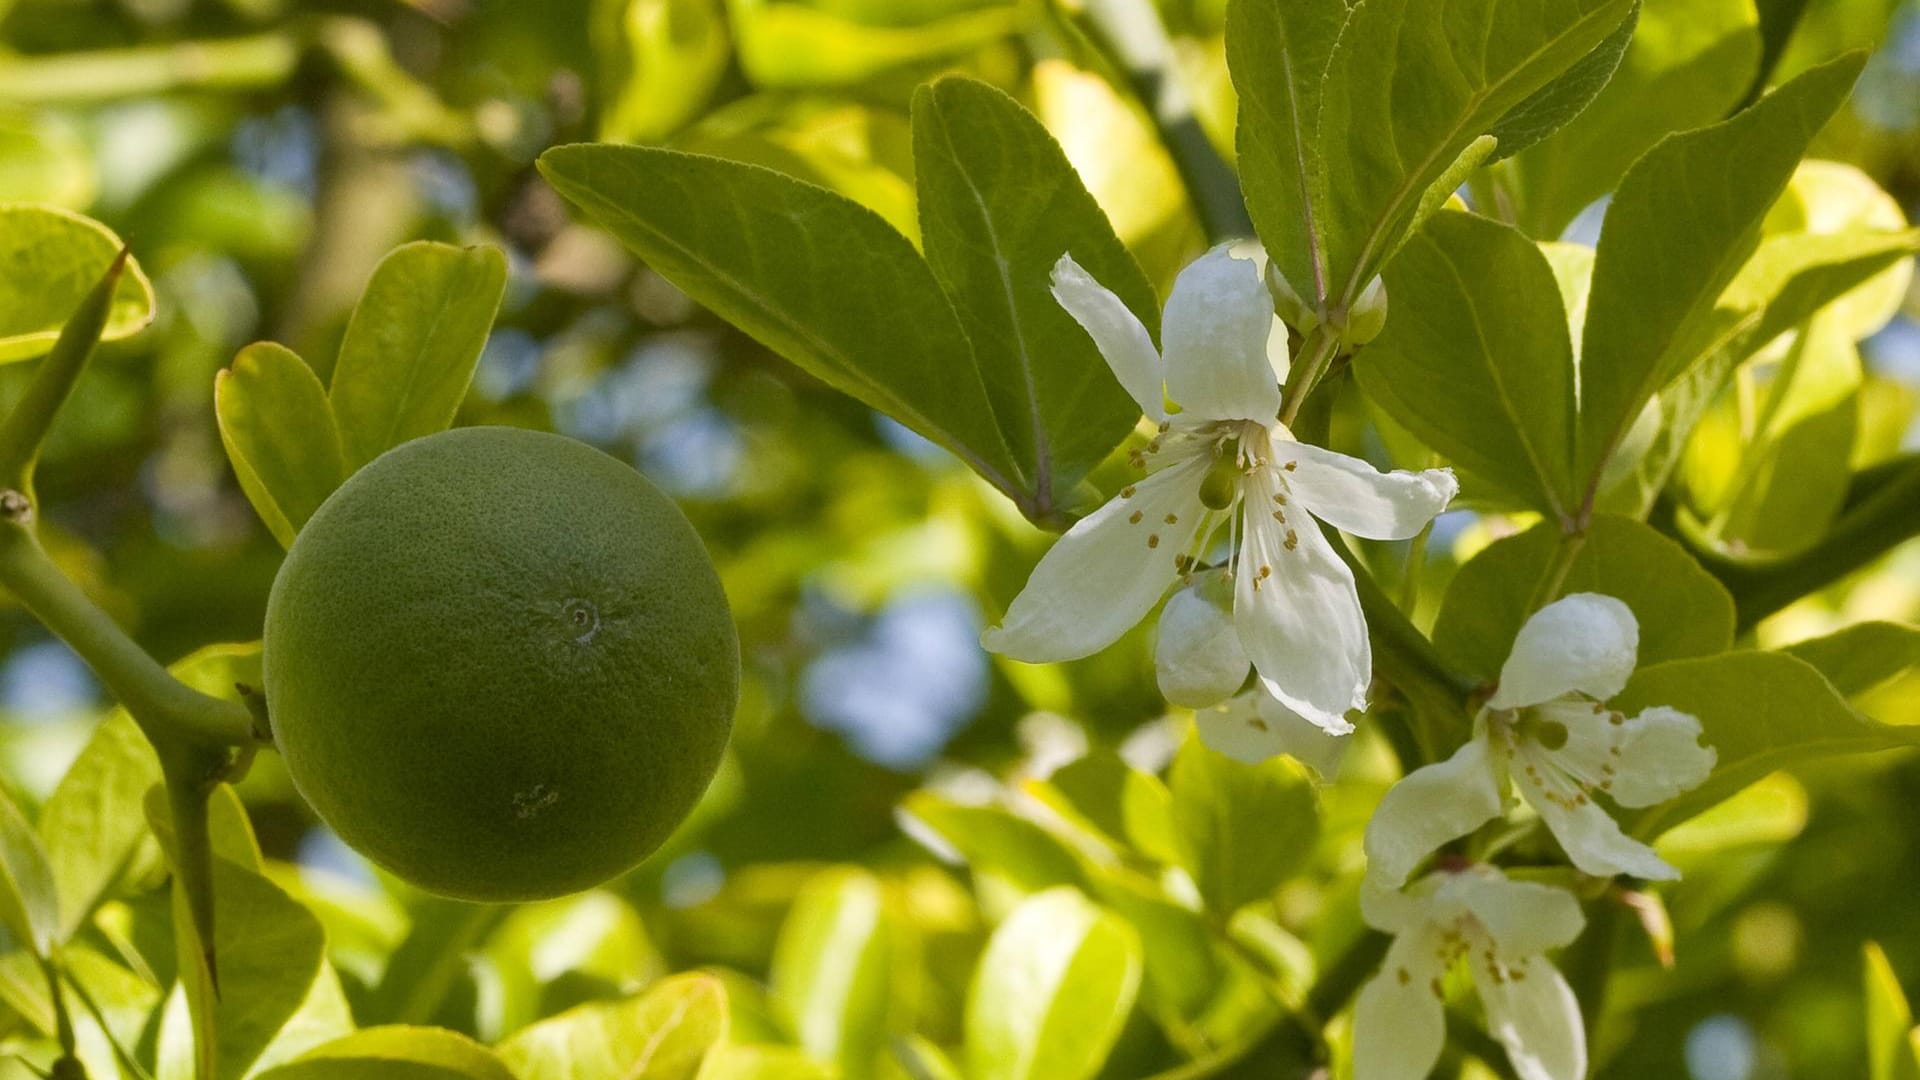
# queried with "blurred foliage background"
point(261, 155)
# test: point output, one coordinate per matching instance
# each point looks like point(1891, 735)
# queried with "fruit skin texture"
point(499, 664)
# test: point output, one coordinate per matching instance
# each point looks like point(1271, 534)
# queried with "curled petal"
point(1532, 1011)
point(1585, 643)
point(1298, 613)
point(1427, 808)
point(1399, 1020)
point(1197, 655)
point(1524, 918)
point(1660, 757)
point(1215, 328)
point(1107, 572)
point(1254, 727)
point(1589, 834)
point(1116, 332)
point(1355, 497)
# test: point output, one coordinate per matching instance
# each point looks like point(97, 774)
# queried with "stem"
point(1132, 33)
point(240, 63)
point(169, 712)
point(1315, 357)
point(1884, 518)
point(25, 428)
point(1554, 578)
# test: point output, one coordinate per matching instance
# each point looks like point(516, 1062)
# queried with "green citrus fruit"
point(499, 664)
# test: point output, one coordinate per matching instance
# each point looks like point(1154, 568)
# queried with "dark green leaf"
point(1862, 656)
point(815, 277)
point(999, 205)
point(1476, 358)
point(1682, 611)
point(1558, 103)
point(1349, 113)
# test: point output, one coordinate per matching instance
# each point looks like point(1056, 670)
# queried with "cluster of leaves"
point(1676, 415)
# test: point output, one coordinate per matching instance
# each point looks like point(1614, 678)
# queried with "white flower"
point(1499, 929)
point(1547, 727)
point(1222, 457)
point(1254, 726)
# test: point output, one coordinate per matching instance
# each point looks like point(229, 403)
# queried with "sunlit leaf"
point(395, 1053)
point(1242, 829)
point(576, 945)
point(411, 346)
point(1053, 988)
point(1862, 656)
point(1010, 856)
point(794, 43)
point(999, 206)
point(280, 436)
point(1761, 711)
point(29, 907)
point(1683, 612)
point(49, 260)
point(1890, 1030)
point(1349, 113)
point(1114, 800)
point(832, 970)
point(1676, 234)
point(1476, 358)
point(665, 1034)
point(94, 821)
point(664, 59)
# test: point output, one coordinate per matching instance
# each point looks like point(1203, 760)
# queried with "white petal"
point(1427, 808)
point(1116, 332)
point(1253, 727)
point(1107, 572)
point(1592, 838)
point(1215, 330)
point(1660, 757)
point(1400, 911)
point(1584, 642)
point(1298, 613)
point(1399, 1021)
point(1533, 1012)
point(1524, 918)
point(1353, 496)
point(1197, 655)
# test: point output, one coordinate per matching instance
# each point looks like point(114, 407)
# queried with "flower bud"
point(1197, 655)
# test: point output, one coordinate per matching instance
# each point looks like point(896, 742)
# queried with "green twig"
point(25, 428)
point(240, 63)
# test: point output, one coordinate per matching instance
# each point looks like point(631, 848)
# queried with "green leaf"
point(1053, 988)
point(832, 969)
point(1349, 113)
point(1476, 358)
point(419, 974)
point(763, 1063)
point(1790, 278)
point(1242, 829)
point(1010, 856)
point(786, 43)
point(29, 907)
point(1863, 656)
point(49, 260)
point(93, 822)
point(277, 998)
point(1891, 1040)
point(1689, 63)
point(280, 435)
point(1179, 952)
point(577, 944)
point(395, 1053)
point(999, 205)
point(922, 1060)
point(411, 346)
point(663, 60)
point(1761, 711)
point(1558, 103)
point(1104, 795)
point(815, 277)
point(665, 1034)
point(1682, 610)
point(1677, 232)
